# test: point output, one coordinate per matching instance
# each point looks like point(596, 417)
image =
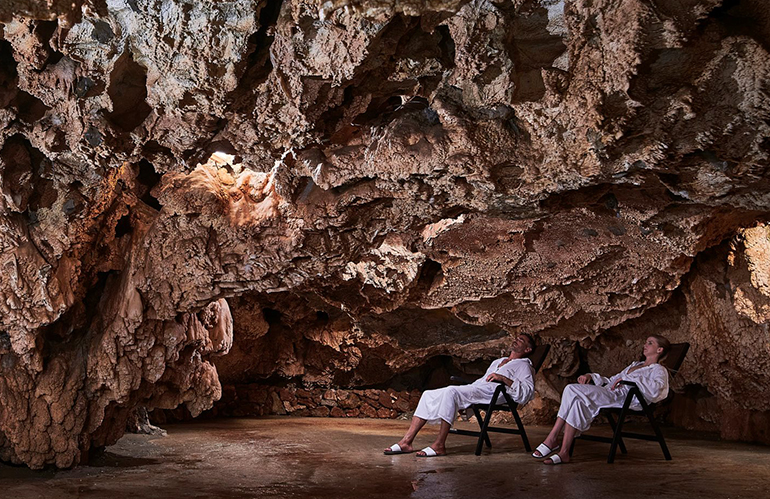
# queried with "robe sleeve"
point(618, 376)
point(600, 380)
point(522, 377)
point(652, 382)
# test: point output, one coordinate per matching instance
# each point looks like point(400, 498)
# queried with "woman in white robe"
point(580, 403)
point(440, 406)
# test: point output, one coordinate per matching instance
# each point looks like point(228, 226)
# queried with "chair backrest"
point(675, 357)
point(538, 355)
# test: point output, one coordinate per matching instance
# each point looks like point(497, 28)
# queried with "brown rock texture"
point(363, 195)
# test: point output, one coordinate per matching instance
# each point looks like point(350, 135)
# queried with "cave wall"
point(342, 191)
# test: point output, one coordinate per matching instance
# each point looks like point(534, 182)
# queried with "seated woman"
point(580, 403)
point(441, 406)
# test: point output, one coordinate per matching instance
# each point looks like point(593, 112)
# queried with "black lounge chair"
point(537, 357)
point(672, 361)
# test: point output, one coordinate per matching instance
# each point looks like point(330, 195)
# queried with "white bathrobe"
point(443, 403)
point(580, 404)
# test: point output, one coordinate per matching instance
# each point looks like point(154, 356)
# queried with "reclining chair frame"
point(672, 362)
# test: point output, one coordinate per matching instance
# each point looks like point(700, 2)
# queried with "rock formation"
point(377, 188)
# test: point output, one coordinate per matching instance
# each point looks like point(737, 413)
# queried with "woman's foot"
point(557, 459)
point(545, 448)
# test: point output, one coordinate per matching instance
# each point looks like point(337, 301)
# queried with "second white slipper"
point(429, 452)
point(544, 450)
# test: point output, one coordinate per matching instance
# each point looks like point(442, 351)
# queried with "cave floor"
point(286, 457)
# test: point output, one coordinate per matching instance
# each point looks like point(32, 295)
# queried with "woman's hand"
point(583, 379)
point(616, 383)
point(499, 377)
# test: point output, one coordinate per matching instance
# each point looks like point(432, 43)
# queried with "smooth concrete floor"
point(284, 457)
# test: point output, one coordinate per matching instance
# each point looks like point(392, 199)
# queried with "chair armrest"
point(636, 392)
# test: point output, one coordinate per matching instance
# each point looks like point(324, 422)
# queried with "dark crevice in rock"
point(597, 196)
point(45, 30)
point(431, 274)
point(507, 177)
point(379, 108)
point(159, 155)
point(148, 178)
point(86, 87)
point(128, 91)
point(24, 175)
point(272, 316)
point(388, 97)
point(739, 18)
point(434, 372)
point(123, 227)
point(54, 58)
point(8, 74)
point(74, 325)
point(447, 46)
point(418, 328)
point(29, 108)
point(532, 48)
point(258, 63)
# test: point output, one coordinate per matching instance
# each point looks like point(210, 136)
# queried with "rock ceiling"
point(357, 187)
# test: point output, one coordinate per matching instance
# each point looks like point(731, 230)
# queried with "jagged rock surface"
point(411, 180)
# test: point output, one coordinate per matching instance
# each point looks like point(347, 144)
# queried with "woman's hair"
point(662, 343)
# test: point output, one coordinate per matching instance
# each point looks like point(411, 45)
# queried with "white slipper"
point(544, 450)
point(555, 458)
point(396, 449)
point(429, 452)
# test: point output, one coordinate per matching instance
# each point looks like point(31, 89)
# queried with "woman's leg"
point(553, 437)
point(566, 443)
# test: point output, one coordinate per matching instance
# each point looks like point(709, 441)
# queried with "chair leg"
point(619, 428)
point(613, 425)
point(513, 406)
point(658, 433)
point(487, 419)
point(480, 421)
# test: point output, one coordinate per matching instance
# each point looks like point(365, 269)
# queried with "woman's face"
point(651, 348)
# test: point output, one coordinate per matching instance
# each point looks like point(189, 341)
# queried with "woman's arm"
point(598, 379)
point(652, 382)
